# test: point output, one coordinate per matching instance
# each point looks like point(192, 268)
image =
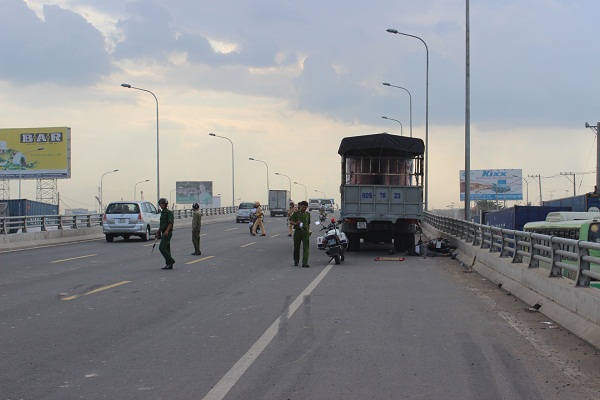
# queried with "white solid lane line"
point(220, 390)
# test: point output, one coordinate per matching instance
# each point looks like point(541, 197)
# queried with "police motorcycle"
point(334, 242)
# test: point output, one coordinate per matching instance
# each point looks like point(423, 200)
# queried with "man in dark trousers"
point(196, 224)
point(301, 222)
point(165, 232)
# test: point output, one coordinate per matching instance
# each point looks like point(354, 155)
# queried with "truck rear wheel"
point(353, 242)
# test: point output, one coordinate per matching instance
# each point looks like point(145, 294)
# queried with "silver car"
point(243, 212)
point(130, 218)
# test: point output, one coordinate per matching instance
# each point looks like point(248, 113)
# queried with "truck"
point(516, 217)
point(278, 202)
point(381, 189)
point(582, 203)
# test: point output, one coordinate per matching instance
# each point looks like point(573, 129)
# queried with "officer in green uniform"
point(165, 232)
point(196, 225)
point(301, 222)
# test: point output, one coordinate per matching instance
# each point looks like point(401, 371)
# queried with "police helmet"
point(195, 206)
point(162, 200)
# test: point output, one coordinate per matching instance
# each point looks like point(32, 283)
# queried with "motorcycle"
point(334, 242)
point(322, 217)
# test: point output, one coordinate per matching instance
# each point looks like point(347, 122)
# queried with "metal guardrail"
point(557, 252)
point(24, 224)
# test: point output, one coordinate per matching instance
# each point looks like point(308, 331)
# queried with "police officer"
point(259, 220)
point(165, 232)
point(290, 212)
point(196, 224)
point(301, 221)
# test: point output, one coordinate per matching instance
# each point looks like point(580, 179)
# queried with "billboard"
point(493, 184)
point(194, 192)
point(34, 153)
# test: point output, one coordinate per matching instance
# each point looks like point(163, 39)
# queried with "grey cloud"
point(150, 33)
point(63, 48)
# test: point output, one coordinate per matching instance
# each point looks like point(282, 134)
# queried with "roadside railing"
point(25, 224)
point(563, 257)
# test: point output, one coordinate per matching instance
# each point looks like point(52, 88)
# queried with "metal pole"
point(597, 159)
point(289, 180)
point(232, 169)
point(409, 100)
point(128, 86)
point(268, 187)
point(468, 120)
point(426, 112)
point(135, 187)
point(392, 119)
point(102, 189)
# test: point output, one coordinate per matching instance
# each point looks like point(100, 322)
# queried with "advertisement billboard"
point(493, 184)
point(191, 192)
point(34, 153)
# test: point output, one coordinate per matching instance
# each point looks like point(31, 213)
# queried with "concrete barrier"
point(577, 309)
point(20, 241)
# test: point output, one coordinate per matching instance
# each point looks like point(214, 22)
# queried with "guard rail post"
point(582, 279)
point(504, 252)
point(60, 222)
point(554, 270)
point(23, 223)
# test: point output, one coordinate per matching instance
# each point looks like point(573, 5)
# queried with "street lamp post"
point(392, 119)
point(305, 195)
point(323, 193)
point(21, 167)
point(394, 31)
point(290, 181)
point(128, 86)
point(102, 188)
point(135, 187)
point(268, 187)
point(171, 197)
point(232, 169)
point(409, 101)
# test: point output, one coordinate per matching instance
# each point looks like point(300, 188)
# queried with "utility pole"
point(566, 175)
point(595, 129)
point(539, 178)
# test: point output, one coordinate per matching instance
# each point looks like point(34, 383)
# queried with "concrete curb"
point(576, 309)
point(19, 241)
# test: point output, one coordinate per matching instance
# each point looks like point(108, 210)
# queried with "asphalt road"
point(98, 320)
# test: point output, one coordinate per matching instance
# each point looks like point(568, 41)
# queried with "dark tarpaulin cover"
point(381, 145)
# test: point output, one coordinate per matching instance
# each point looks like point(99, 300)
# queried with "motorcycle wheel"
point(342, 257)
point(337, 259)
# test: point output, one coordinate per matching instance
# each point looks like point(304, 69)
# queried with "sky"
point(285, 81)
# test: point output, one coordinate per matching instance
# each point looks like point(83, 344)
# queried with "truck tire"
point(354, 242)
point(399, 244)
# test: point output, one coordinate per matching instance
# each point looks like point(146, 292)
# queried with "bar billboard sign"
point(35, 153)
point(493, 184)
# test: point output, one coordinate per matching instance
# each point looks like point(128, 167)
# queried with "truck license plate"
point(361, 225)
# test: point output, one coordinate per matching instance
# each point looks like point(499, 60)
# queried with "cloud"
point(63, 48)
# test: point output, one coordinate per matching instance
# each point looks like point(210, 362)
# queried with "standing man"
point(259, 220)
point(290, 212)
point(196, 224)
point(301, 221)
point(165, 232)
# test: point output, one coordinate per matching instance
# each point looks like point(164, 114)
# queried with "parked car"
point(328, 205)
point(243, 212)
point(130, 218)
point(313, 204)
